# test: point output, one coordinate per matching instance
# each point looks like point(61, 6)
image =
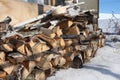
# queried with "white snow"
point(104, 66)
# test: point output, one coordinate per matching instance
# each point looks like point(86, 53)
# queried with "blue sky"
point(107, 6)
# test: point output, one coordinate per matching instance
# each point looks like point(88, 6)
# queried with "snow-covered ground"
point(104, 66)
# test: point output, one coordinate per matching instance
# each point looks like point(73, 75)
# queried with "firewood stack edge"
point(39, 49)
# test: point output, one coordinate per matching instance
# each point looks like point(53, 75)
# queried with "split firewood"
point(62, 61)
point(57, 31)
point(40, 75)
point(45, 63)
point(94, 44)
point(68, 42)
point(29, 65)
point(24, 48)
point(21, 48)
point(16, 58)
point(75, 40)
point(2, 56)
point(3, 74)
point(36, 74)
point(25, 73)
point(6, 47)
point(77, 47)
point(50, 41)
point(66, 50)
point(88, 53)
point(54, 61)
point(7, 66)
point(27, 69)
point(62, 52)
point(28, 51)
point(31, 76)
point(33, 40)
point(82, 38)
point(47, 32)
point(49, 72)
point(18, 45)
point(58, 61)
point(85, 32)
point(20, 72)
point(39, 47)
point(74, 30)
point(65, 24)
point(69, 56)
point(60, 42)
point(29, 44)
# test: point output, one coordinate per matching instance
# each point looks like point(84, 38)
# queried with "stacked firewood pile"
point(38, 49)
